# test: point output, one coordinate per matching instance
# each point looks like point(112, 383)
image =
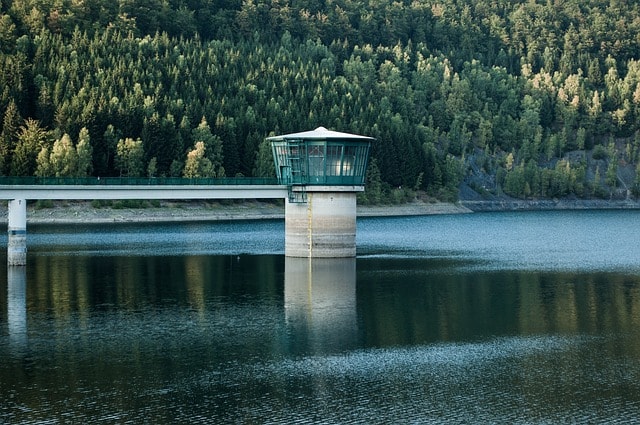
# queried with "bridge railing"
point(135, 181)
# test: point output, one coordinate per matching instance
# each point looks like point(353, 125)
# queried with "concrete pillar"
point(323, 227)
point(17, 232)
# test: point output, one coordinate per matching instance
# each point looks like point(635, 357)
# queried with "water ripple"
point(443, 383)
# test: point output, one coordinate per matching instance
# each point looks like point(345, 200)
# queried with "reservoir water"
point(528, 317)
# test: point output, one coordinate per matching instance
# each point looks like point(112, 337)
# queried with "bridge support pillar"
point(17, 233)
point(322, 227)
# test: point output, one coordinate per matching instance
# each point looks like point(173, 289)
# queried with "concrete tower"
point(324, 170)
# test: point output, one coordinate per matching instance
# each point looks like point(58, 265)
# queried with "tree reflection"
point(404, 301)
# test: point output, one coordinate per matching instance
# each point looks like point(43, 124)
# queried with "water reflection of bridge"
point(319, 301)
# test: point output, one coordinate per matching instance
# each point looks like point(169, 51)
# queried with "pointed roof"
point(319, 133)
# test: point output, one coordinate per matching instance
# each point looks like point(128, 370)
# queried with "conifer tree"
point(373, 183)
point(31, 139)
point(7, 33)
point(479, 77)
point(264, 165)
point(9, 135)
point(611, 176)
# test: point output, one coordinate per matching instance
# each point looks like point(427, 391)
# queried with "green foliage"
point(635, 190)
point(211, 162)
point(43, 165)
point(373, 193)
point(43, 204)
point(152, 167)
point(98, 203)
point(30, 140)
point(437, 83)
point(84, 154)
point(129, 157)
point(599, 152)
point(129, 203)
point(9, 135)
point(611, 177)
point(265, 166)
point(197, 164)
point(63, 160)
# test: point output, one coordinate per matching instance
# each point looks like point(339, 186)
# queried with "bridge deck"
point(83, 192)
point(90, 188)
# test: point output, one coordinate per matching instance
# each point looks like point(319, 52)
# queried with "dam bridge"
point(319, 173)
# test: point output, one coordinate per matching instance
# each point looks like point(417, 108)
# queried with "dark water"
point(503, 318)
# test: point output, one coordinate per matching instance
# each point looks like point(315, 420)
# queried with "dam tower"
point(323, 171)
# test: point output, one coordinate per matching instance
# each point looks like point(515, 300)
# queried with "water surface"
point(529, 317)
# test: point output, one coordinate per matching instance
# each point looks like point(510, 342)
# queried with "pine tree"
point(31, 139)
point(264, 165)
point(9, 135)
point(373, 183)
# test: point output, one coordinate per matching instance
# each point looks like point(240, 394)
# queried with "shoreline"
point(82, 212)
point(550, 204)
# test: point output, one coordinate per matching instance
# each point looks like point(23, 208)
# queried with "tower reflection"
point(320, 302)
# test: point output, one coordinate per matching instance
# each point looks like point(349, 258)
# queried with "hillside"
point(478, 100)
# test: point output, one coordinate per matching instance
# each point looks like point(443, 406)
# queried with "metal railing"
point(134, 181)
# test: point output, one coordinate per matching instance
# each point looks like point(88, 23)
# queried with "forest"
point(465, 98)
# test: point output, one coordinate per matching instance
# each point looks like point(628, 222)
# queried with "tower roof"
point(320, 133)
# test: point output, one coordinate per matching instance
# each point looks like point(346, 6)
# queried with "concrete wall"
point(323, 227)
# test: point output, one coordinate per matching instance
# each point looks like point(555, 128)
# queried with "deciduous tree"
point(197, 164)
point(129, 157)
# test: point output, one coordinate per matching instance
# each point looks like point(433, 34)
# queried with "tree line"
point(525, 98)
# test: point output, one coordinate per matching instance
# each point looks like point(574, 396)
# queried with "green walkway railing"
point(135, 181)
